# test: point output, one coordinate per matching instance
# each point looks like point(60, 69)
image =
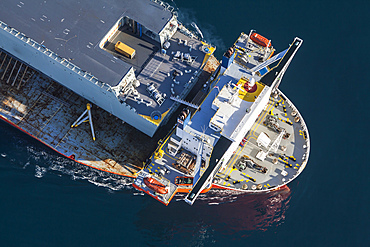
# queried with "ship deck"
point(45, 110)
point(74, 29)
point(295, 145)
point(275, 147)
point(154, 67)
point(230, 177)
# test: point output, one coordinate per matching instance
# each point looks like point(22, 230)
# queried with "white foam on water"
point(25, 165)
point(187, 16)
point(39, 171)
point(139, 194)
point(62, 166)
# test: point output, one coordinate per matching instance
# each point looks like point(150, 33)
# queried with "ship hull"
point(66, 156)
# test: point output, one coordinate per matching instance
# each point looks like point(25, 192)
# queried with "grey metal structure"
point(69, 42)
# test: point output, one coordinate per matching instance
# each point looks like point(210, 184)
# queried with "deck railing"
point(166, 6)
point(305, 129)
point(54, 56)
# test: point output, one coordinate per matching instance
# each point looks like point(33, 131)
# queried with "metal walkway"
point(218, 151)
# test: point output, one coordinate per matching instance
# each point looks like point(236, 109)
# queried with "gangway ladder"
point(184, 102)
point(84, 118)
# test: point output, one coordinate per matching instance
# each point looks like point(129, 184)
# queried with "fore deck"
point(279, 166)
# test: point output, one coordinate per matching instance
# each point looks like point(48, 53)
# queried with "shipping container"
point(125, 50)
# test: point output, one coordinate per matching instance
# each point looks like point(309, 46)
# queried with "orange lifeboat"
point(155, 185)
point(259, 39)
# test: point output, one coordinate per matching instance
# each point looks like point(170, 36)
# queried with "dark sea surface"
point(48, 200)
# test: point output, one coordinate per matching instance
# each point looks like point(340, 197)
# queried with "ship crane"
point(84, 118)
point(275, 145)
point(261, 155)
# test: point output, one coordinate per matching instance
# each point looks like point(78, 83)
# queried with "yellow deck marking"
point(228, 184)
point(250, 97)
point(169, 156)
point(224, 183)
point(268, 185)
point(156, 171)
point(211, 49)
point(156, 122)
point(241, 180)
point(249, 137)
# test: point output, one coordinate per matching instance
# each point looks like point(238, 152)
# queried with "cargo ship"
point(101, 82)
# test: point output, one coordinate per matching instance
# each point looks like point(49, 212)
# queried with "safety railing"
point(54, 56)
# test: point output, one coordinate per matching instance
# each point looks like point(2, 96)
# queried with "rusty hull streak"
point(45, 109)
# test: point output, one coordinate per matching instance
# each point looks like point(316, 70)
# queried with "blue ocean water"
point(48, 200)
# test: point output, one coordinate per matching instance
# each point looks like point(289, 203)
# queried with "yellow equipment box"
point(125, 50)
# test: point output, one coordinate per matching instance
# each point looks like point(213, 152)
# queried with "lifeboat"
point(260, 40)
point(155, 185)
